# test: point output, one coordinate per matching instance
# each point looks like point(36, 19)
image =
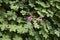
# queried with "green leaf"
point(32, 32)
point(50, 13)
point(1, 1)
point(32, 5)
point(40, 13)
point(57, 33)
point(17, 38)
point(11, 15)
point(23, 12)
point(19, 19)
point(57, 5)
point(58, 14)
point(14, 7)
point(44, 26)
point(45, 35)
point(52, 3)
point(5, 37)
point(55, 19)
point(12, 28)
point(19, 29)
point(43, 4)
point(44, 11)
point(36, 25)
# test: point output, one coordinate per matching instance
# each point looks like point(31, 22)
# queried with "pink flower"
point(40, 18)
point(29, 18)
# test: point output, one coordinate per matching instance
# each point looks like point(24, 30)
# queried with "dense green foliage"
point(14, 24)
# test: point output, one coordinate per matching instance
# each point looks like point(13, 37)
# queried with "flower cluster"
point(30, 18)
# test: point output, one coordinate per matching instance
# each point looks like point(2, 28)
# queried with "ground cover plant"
point(29, 19)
